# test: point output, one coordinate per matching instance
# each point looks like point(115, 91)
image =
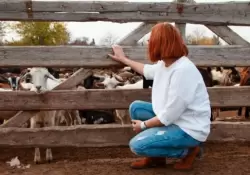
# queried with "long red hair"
point(165, 42)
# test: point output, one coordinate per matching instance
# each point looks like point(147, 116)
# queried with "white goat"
point(43, 81)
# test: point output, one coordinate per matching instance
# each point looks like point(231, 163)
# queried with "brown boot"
point(148, 162)
point(187, 162)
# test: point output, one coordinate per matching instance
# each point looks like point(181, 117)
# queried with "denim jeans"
point(165, 141)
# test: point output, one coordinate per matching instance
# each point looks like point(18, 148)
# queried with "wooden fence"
point(215, 16)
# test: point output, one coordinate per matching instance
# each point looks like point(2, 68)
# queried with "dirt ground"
point(227, 158)
point(219, 158)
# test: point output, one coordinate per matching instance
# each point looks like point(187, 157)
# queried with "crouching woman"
point(177, 121)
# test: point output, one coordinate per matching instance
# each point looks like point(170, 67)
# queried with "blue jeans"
point(165, 141)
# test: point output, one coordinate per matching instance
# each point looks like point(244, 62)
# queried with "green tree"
point(41, 33)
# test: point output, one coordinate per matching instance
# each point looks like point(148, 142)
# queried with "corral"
point(90, 140)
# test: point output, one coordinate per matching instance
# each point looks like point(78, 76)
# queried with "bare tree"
point(108, 39)
point(196, 36)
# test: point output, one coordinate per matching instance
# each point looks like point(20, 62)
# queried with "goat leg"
point(49, 156)
point(239, 111)
point(78, 118)
point(37, 157)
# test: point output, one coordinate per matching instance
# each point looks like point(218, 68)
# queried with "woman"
point(178, 119)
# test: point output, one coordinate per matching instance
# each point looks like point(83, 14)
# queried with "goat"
point(225, 76)
point(96, 117)
point(42, 81)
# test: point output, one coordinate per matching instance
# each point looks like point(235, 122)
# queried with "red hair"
point(165, 42)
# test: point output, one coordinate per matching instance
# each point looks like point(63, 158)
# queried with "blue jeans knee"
point(166, 141)
point(141, 110)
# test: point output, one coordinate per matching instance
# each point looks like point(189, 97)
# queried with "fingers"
point(115, 45)
point(112, 56)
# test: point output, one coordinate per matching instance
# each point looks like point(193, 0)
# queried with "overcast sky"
point(97, 30)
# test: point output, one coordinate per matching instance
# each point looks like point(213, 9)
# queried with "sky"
point(97, 30)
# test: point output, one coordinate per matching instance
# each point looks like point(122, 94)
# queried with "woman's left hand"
point(136, 124)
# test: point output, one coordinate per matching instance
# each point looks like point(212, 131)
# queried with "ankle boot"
point(149, 162)
point(187, 162)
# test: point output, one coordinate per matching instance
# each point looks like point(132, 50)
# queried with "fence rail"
point(104, 135)
point(114, 6)
point(202, 13)
point(108, 99)
point(96, 56)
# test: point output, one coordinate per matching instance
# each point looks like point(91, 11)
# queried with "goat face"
point(110, 82)
point(234, 76)
point(89, 83)
point(14, 82)
point(38, 77)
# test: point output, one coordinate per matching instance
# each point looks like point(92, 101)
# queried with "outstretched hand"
point(136, 124)
point(118, 53)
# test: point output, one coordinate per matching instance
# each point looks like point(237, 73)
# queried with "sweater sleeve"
point(149, 71)
point(181, 92)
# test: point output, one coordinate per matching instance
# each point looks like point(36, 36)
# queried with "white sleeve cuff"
point(148, 71)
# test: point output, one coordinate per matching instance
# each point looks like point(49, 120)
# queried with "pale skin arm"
point(120, 57)
point(138, 67)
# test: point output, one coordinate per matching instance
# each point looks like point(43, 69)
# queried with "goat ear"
point(52, 77)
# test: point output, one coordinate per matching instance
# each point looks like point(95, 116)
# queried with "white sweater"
point(179, 96)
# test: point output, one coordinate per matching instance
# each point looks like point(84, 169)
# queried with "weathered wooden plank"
point(18, 119)
point(136, 34)
point(104, 135)
point(123, 6)
point(109, 99)
point(74, 79)
point(240, 19)
point(182, 26)
point(182, 29)
point(228, 35)
point(22, 116)
point(96, 57)
point(13, 5)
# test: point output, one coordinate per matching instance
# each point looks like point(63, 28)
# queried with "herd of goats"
point(41, 79)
